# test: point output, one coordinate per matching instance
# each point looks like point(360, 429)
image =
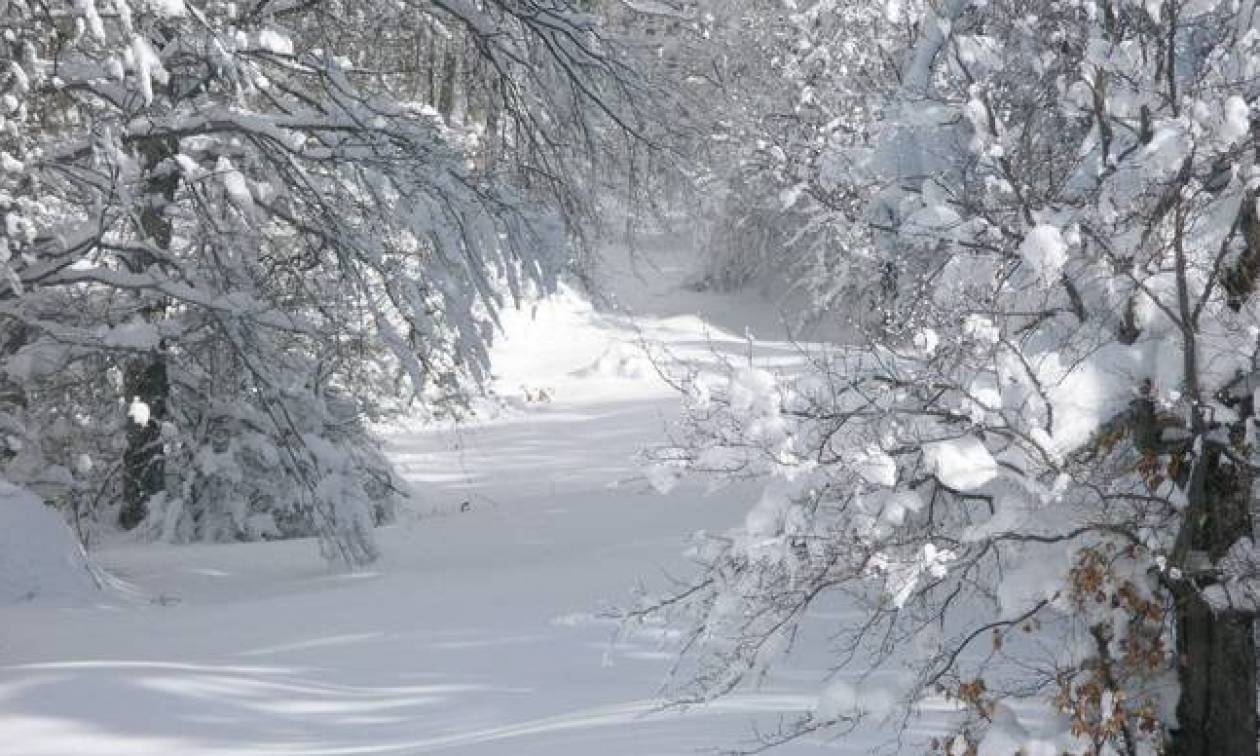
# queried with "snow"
point(838, 700)
point(876, 467)
point(977, 114)
point(86, 9)
point(132, 335)
point(1087, 394)
point(901, 578)
point(480, 631)
point(10, 164)
point(1168, 147)
point(1037, 576)
point(917, 76)
point(620, 359)
point(1236, 123)
point(275, 42)
point(655, 8)
point(21, 81)
point(926, 341)
point(1195, 8)
point(766, 518)
point(963, 464)
point(1045, 251)
point(41, 562)
point(234, 183)
point(896, 504)
point(1034, 735)
point(36, 360)
point(168, 8)
point(148, 67)
point(930, 224)
point(981, 329)
point(138, 411)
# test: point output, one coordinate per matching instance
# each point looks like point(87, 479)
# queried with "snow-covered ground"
point(479, 632)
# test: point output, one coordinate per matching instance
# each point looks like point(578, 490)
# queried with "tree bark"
point(144, 377)
point(493, 111)
point(144, 468)
point(1216, 649)
point(450, 77)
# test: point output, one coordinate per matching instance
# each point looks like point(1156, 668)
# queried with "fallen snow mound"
point(618, 361)
point(40, 559)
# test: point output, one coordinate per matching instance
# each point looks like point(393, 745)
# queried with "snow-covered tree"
point(1032, 477)
point(777, 96)
point(232, 238)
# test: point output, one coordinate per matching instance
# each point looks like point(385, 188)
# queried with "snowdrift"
point(40, 559)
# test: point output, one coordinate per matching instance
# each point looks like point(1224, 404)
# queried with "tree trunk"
point(450, 77)
point(435, 63)
point(493, 109)
point(1216, 649)
point(144, 468)
point(144, 377)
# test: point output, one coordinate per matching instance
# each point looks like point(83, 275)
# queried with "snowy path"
point(475, 635)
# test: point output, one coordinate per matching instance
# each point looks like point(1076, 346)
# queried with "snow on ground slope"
point(478, 633)
point(41, 562)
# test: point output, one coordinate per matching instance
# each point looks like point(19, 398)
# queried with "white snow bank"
point(619, 360)
point(40, 559)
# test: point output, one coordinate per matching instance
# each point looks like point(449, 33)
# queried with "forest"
point(641, 377)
